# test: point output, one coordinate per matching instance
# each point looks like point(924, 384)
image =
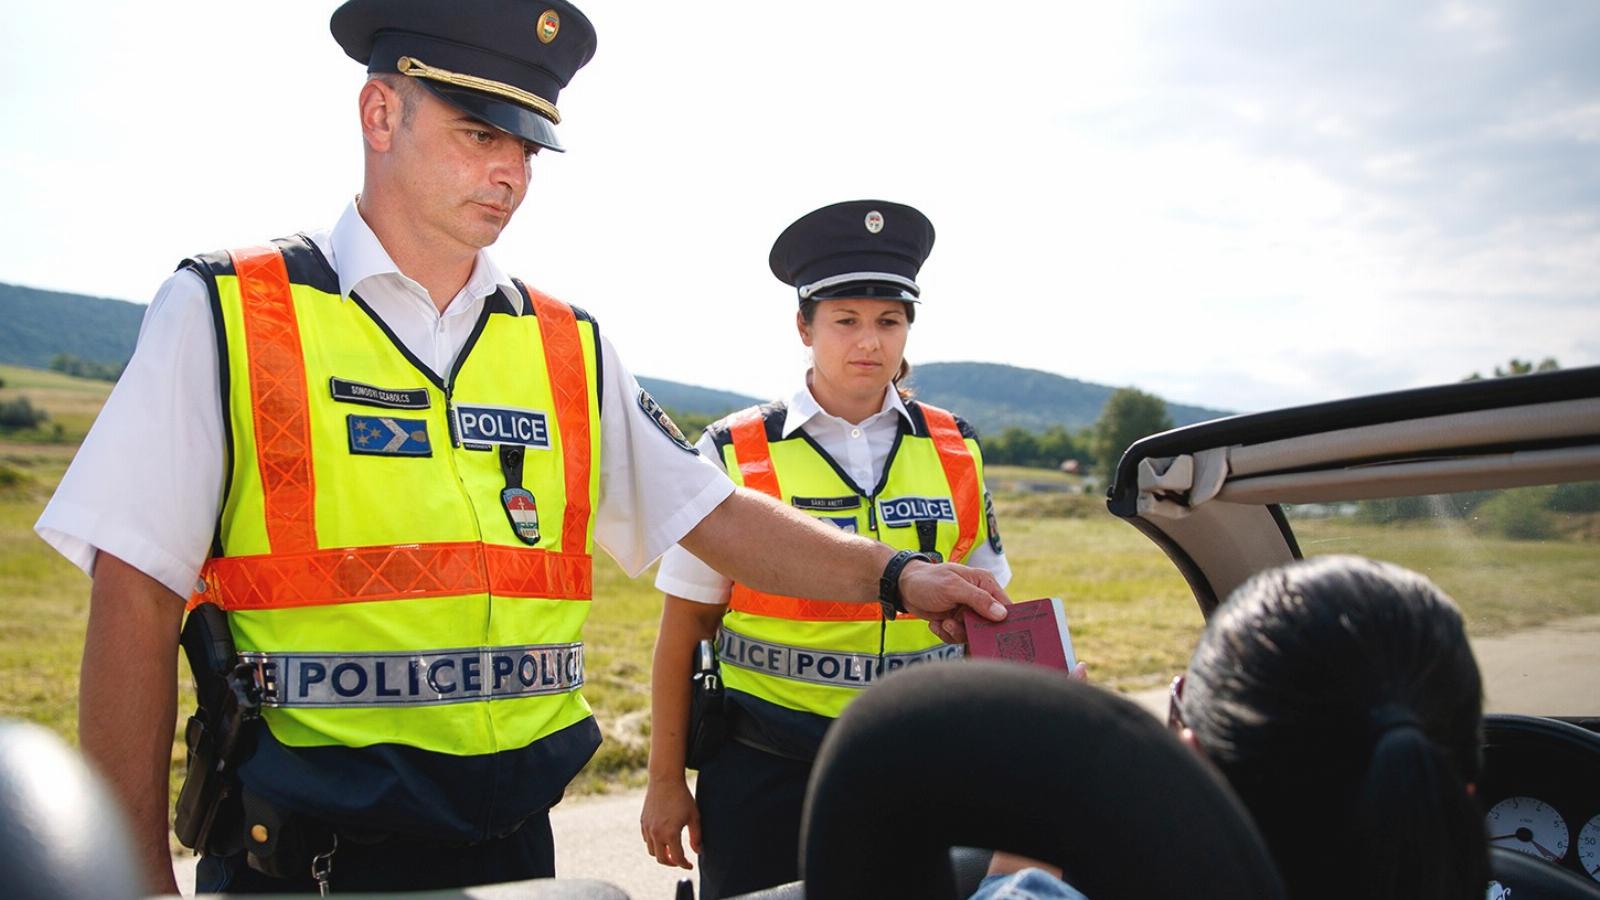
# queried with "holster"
point(281, 842)
point(708, 708)
point(209, 817)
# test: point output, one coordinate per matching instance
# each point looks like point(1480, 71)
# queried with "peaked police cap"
point(501, 61)
point(859, 248)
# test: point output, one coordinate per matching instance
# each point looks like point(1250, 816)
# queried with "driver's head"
point(1341, 699)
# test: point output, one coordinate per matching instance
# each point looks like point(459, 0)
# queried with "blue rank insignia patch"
point(659, 416)
point(847, 523)
point(523, 511)
point(386, 436)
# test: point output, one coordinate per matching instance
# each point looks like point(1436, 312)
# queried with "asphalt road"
point(1549, 670)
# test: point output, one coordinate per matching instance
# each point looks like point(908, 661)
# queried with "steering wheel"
point(1528, 877)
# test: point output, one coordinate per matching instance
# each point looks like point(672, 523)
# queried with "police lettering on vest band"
point(424, 679)
point(385, 436)
point(367, 395)
point(814, 666)
point(482, 427)
point(825, 503)
point(903, 511)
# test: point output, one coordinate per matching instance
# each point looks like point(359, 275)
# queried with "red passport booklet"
point(1034, 631)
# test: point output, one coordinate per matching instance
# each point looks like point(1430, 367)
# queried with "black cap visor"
point(502, 114)
point(865, 290)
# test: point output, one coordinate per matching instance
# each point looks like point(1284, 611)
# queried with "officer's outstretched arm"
point(764, 544)
point(128, 702)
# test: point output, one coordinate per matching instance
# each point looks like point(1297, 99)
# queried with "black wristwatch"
point(889, 584)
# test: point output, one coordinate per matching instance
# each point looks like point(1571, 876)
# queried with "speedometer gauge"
point(1529, 825)
point(1589, 847)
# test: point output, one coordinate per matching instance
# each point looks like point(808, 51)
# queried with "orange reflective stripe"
point(278, 398)
point(360, 574)
point(755, 457)
point(569, 385)
point(961, 471)
point(777, 606)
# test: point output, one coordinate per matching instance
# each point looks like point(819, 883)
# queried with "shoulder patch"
point(659, 416)
point(993, 523)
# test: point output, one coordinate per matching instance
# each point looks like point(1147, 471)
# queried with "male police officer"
point(397, 496)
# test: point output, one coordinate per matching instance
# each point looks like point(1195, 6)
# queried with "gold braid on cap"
point(416, 68)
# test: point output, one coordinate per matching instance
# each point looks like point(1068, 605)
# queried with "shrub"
point(1520, 514)
point(10, 478)
point(20, 413)
point(1578, 497)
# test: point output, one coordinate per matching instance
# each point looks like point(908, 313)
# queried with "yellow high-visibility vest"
point(812, 657)
point(405, 557)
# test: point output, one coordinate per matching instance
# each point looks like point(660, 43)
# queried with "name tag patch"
point(367, 395)
point(903, 511)
point(428, 678)
point(826, 503)
point(481, 427)
point(385, 436)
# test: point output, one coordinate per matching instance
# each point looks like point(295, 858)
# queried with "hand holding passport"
point(1033, 631)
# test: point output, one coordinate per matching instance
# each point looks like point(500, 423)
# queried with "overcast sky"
point(1241, 205)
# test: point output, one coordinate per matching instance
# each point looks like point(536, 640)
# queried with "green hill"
point(994, 397)
point(688, 398)
point(40, 324)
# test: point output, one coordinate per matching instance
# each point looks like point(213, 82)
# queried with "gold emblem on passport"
point(549, 24)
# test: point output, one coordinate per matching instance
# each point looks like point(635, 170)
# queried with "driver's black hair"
point(1340, 698)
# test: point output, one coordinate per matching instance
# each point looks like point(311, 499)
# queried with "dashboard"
point(1541, 790)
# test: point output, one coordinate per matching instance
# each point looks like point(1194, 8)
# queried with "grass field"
point(72, 402)
point(1133, 618)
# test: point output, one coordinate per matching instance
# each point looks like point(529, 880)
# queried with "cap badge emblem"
point(874, 221)
point(549, 24)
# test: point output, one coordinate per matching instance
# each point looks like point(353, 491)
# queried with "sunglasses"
point(1174, 704)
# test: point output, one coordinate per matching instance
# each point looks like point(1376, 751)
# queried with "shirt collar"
point(803, 407)
point(358, 255)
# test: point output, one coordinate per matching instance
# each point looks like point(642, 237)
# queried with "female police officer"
point(849, 447)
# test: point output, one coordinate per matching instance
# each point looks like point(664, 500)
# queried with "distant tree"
point(2, 382)
point(68, 364)
point(1519, 367)
point(1575, 497)
point(20, 413)
point(1129, 414)
point(1057, 445)
point(1018, 447)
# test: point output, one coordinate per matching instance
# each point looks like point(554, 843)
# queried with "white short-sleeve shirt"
point(859, 448)
point(146, 486)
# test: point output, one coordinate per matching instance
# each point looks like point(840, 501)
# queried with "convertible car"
point(1490, 487)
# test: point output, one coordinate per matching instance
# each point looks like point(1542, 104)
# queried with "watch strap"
point(889, 598)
